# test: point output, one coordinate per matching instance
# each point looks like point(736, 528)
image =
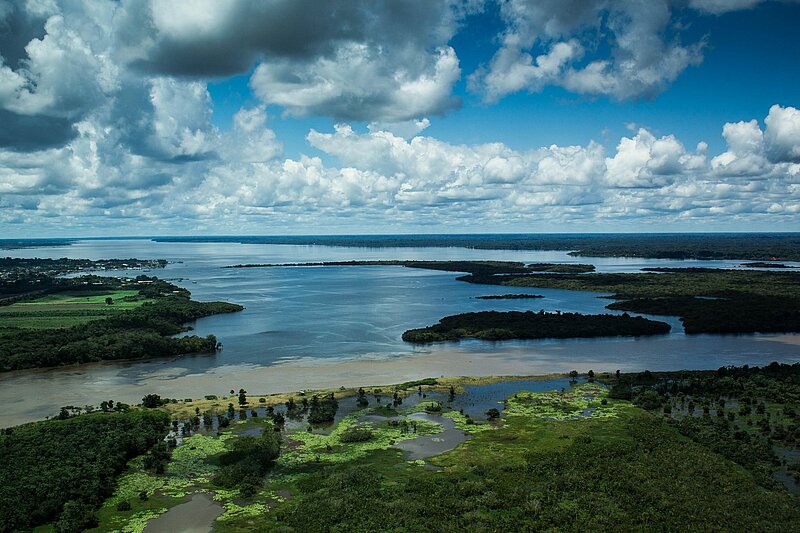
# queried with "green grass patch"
point(68, 309)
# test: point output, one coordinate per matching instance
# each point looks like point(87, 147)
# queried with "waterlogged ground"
point(436, 456)
point(413, 434)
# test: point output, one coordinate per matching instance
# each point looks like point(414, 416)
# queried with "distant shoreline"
point(760, 246)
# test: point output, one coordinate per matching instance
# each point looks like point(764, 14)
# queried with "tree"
point(493, 413)
point(361, 399)
point(76, 516)
point(109, 301)
point(591, 376)
point(649, 400)
point(152, 401)
point(573, 376)
point(242, 397)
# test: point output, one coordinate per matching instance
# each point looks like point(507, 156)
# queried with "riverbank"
point(186, 377)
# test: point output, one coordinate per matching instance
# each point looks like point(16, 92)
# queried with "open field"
point(67, 309)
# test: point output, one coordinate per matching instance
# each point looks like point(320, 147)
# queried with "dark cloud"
point(17, 28)
point(166, 38)
point(30, 133)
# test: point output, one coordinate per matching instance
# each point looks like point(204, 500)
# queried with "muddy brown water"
point(195, 516)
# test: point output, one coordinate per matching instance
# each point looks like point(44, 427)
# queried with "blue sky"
point(360, 116)
point(757, 69)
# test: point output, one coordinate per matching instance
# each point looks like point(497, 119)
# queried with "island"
point(496, 325)
point(761, 264)
point(473, 267)
point(707, 300)
point(509, 296)
point(686, 450)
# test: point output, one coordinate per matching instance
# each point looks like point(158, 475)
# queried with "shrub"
point(356, 435)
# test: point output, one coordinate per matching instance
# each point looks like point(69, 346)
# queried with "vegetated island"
point(633, 455)
point(20, 276)
point(761, 264)
point(14, 244)
point(706, 300)
point(744, 246)
point(496, 325)
point(50, 321)
point(473, 267)
point(509, 297)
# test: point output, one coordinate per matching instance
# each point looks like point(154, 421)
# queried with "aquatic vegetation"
point(579, 402)
point(237, 512)
point(593, 462)
point(138, 521)
point(314, 447)
point(427, 406)
point(463, 425)
point(189, 466)
point(131, 485)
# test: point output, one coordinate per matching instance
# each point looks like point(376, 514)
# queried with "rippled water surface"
point(316, 315)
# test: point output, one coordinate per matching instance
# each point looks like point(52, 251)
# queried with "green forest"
point(62, 470)
point(59, 327)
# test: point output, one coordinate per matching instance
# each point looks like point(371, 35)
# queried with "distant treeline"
point(707, 300)
point(63, 470)
point(745, 246)
point(761, 264)
point(21, 276)
point(495, 325)
point(509, 296)
point(12, 244)
point(473, 267)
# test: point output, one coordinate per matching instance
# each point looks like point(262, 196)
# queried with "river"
point(306, 327)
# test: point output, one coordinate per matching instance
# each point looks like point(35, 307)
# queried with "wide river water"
point(314, 327)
